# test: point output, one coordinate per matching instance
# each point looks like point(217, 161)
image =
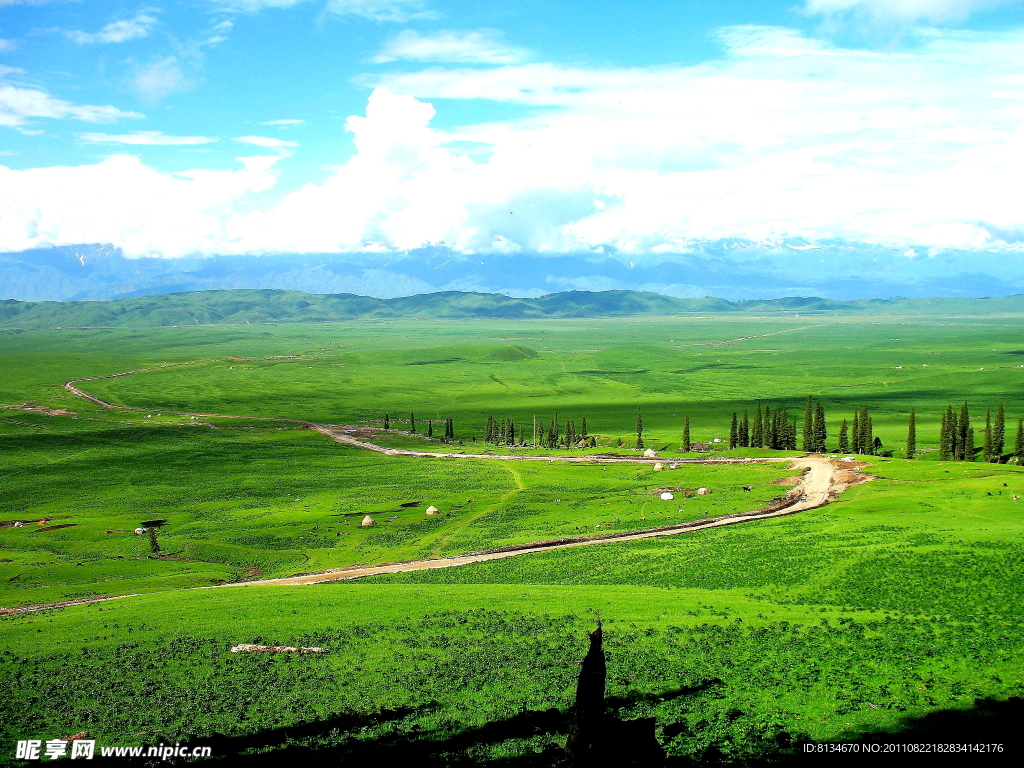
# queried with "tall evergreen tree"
point(639, 430)
point(757, 430)
point(430, 427)
point(965, 436)
point(583, 428)
point(687, 445)
point(855, 444)
point(871, 443)
point(553, 432)
point(844, 437)
point(387, 421)
point(986, 444)
point(1018, 445)
point(768, 428)
point(999, 434)
point(412, 422)
point(809, 426)
point(819, 429)
point(745, 431)
point(912, 435)
point(734, 431)
point(489, 430)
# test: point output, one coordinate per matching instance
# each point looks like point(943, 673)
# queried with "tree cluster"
point(769, 429)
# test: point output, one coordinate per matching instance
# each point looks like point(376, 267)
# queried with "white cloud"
point(380, 10)
point(283, 123)
point(376, 10)
point(118, 31)
point(160, 78)
point(483, 46)
point(7, 45)
point(783, 137)
point(143, 138)
point(145, 212)
point(267, 141)
point(932, 11)
point(18, 105)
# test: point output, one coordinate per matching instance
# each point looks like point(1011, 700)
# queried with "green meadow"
point(899, 601)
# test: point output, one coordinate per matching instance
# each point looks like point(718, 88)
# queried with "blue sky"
point(627, 130)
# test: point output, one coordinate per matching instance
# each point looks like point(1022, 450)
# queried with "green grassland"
point(902, 598)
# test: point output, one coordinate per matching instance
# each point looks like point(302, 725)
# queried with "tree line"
point(448, 426)
point(957, 439)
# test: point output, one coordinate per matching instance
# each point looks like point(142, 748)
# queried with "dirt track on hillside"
point(823, 479)
point(817, 488)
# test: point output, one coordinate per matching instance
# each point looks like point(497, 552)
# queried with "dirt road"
point(815, 489)
point(819, 484)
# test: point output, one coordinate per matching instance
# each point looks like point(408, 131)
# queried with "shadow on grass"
point(971, 736)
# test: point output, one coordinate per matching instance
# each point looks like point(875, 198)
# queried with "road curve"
point(818, 486)
point(815, 489)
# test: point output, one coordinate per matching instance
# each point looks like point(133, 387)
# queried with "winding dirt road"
point(821, 482)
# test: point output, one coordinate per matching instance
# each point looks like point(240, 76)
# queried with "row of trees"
point(957, 441)
point(552, 435)
point(447, 424)
point(769, 429)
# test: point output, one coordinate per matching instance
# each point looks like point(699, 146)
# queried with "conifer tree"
point(745, 431)
point(768, 427)
point(757, 431)
point(449, 430)
point(809, 426)
point(855, 433)
point(583, 428)
point(999, 434)
point(844, 437)
point(986, 445)
point(553, 432)
point(387, 421)
point(687, 444)
point(951, 436)
point(1018, 446)
point(412, 422)
point(912, 435)
point(871, 443)
point(489, 430)
point(820, 430)
point(734, 431)
point(639, 430)
point(965, 436)
point(430, 427)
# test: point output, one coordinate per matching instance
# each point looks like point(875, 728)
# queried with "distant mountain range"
point(275, 306)
point(732, 269)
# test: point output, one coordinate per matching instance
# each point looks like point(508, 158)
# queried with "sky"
point(620, 130)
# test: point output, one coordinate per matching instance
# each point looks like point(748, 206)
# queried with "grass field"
point(900, 600)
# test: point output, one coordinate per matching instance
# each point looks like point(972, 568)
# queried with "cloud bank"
point(785, 137)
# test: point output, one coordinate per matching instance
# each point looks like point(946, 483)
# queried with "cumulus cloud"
point(143, 138)
point(932, 11)
point(118, 31)
point(782, 138)
point(267, 141)
point(18, 105)
point(484, 46)
point(122, 201)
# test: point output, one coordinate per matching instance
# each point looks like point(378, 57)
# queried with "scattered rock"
point(249, 648)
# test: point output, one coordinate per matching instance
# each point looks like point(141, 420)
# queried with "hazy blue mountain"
point(733, 270)
point(248, 306)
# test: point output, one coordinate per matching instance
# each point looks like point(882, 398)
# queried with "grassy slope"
point(917, 574)
point(846, 619)
point(602, 370)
